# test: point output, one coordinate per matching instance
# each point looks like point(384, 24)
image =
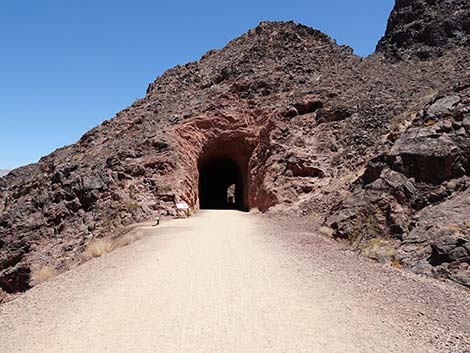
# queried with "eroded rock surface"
point(417, 194)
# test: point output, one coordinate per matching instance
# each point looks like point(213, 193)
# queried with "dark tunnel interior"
point(221, 184)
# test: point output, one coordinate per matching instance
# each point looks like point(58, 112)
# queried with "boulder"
point(443, 105)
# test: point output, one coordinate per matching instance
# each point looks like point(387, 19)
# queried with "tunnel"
point(222, 184)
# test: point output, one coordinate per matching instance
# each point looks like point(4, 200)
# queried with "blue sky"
point(65, 66)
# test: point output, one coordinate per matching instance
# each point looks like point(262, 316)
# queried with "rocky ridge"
point(426, 28)
point(378, 147)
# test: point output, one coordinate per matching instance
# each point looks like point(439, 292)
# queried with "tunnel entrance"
point(222, 184)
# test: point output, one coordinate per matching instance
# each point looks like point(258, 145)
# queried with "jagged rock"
point(466, 124)
point(424, 28)
point(443, 105)
point(426, 172)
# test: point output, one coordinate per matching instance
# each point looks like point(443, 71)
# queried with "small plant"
point(396, 123)
point(98, 247)
point(3, 295)
point(366, 226)
point(395, 263)
point(454, 228)
point(430, 122)
point(127, 239)
point(132, 206)
point(326, 231)
point(41, 274)
point(276, 167)
point(254, 210)
point(378, 249)
point(164, 189)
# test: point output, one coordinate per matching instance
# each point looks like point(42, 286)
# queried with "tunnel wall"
point(243, 139)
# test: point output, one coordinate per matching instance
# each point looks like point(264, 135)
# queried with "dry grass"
point(276, 167)
point(127, 239)
point(132, 206)
point(395, 263)
point(98, 247)
point(3, 295)
point(326, 231)
point(379, 249)
point(454, 228)
point(254, 210)
point(430, 122)
point(41, 274)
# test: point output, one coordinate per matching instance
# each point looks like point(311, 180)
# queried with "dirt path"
point(225, 281)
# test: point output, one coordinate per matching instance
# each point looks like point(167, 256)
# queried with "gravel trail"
point(226, 281)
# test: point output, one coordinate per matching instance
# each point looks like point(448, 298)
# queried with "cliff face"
point(297, 117)
point(425, 28)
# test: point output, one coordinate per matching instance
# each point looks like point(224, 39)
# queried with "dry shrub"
point(102, 246)
point(276, 167)
point(98, 247)
point(430, 122)
point(41, 274)
point(127, 239)
point(378, 249)
point(326, 231)
point(454, 228)
point(3, 296)
point(315, 217)
point(254, 210)
point(395, 263)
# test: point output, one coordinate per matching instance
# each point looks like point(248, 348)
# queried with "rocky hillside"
point(4, 172)
point(378, 147)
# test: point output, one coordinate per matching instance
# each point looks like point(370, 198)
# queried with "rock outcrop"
point(417, 193)
point(4, 172)
point(426, 28)
point(378, 147)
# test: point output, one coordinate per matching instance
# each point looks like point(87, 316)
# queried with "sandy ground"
point(226, 281)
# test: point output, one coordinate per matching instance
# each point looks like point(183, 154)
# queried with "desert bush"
point(102, 246)
point(276, 167)
point(127, 239)
point(366, 227)
point(40, 274)
point(98, 247)
point(378, 249)
point(132, 206)
point(3, 295)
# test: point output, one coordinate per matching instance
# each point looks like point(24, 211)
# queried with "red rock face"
point(241, 136)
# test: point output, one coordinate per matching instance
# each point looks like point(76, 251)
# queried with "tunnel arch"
point(221, 184)
point(223, 171)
